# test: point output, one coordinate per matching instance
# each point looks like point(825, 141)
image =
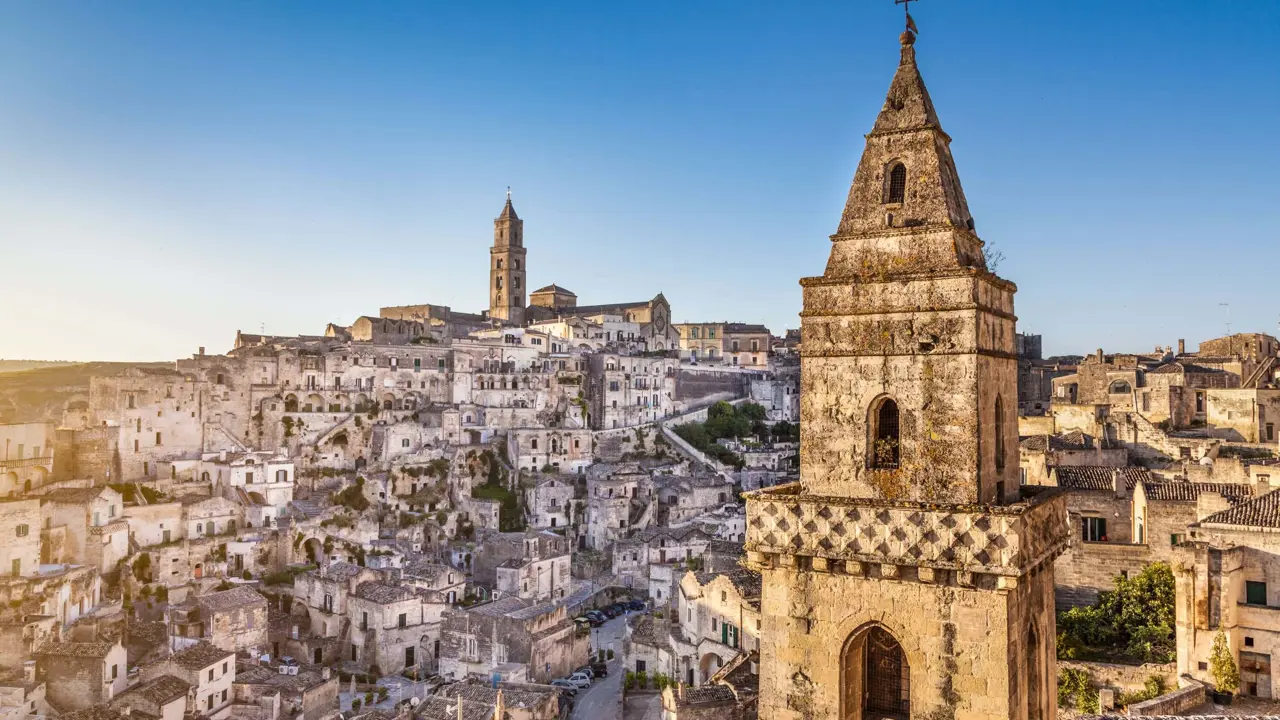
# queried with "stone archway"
point(9, 484)
point(314, 550)
point(875, 676)
point(708, 666)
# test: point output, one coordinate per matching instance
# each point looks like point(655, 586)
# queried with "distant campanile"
point(506, 267)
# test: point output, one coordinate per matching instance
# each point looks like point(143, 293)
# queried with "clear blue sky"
point(173, 172)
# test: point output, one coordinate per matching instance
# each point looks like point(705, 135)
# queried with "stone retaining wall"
point(1171, 703)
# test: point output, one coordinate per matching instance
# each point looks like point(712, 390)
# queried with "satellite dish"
point(413, 701)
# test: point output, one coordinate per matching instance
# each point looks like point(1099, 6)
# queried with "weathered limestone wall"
point(945, 366)
point(957, 643)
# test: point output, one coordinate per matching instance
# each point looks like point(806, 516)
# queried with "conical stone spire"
point(906, 182)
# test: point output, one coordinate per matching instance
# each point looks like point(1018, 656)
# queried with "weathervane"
point(912, 30)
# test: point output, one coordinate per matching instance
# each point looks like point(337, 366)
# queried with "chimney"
point(201, 350)
point(1208, 503)
point(1182, 346)
point(29, 672)
point(324, 673)
point(1100, 355)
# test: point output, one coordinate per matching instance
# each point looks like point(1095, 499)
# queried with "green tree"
point(720, 409)
point(1135, 620)
point(1222, 665)
point(752, 411)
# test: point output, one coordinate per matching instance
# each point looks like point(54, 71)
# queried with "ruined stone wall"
point(1086, 569)
point(696, 387)
point(89, 453)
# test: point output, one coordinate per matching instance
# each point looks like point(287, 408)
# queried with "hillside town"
point(548, 510)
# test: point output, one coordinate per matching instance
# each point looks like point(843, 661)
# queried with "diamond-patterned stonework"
point(999, 540)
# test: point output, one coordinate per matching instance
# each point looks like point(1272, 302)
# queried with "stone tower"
point(906, 575)
point(506, 267)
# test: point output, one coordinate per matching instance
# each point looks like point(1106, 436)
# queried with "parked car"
point(612, 611)
point(636, 604)
point(586, 670)
point(579, 680)
point(582, 621)
point(566, 686)
point(599, 669)
point(597, 618)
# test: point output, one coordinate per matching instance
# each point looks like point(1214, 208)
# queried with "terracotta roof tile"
point(1261, 512)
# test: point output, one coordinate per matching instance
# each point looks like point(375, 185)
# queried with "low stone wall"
point(1123, 677)
point(1171, 703)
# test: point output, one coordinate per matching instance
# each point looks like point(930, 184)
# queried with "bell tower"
point(506, 267)
point(906, 574)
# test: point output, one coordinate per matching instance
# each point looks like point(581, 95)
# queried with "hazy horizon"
point(173, 174)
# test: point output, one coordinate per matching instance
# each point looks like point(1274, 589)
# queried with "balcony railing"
point(26, 462)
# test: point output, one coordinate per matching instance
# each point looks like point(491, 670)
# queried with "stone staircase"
point(309, 508)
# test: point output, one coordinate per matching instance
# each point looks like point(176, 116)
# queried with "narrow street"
point(602, 700)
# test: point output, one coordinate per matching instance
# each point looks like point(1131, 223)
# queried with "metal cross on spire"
point(508, 193)
point(906, 7)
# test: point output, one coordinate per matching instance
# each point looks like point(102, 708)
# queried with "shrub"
point(247, 575)
point(1226, 677)
point(1074, 690)
point(355, 704)
point(609, 654)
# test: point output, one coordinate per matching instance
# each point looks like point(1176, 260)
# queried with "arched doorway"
point(876, 677)
point(708, 666)
point(8, 484)
point(314, 550)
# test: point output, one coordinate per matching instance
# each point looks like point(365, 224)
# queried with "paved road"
point(603, 700)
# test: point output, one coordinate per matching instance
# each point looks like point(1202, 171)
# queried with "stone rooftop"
point(239, 597)
point(438, 707)
point(339, 571)
point(1190, 491)
point(382, 593)
point(96, 712)
point(1262, 512)
point(514, 695)
point(707, 694)
point(159, 691)
point(200, 656)
point(76, 649)
point(73, 496)
point(1099, 477)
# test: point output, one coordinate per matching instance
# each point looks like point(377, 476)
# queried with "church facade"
point(906, 574)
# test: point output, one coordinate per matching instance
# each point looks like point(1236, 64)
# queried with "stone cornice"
point(912, 311)
point(907, 131)
point(889, 278)
point(1000, 540)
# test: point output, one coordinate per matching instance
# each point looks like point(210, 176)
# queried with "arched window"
point(999, 434)
point(499, 281)
point(499, 263)
point(885, 450)
point(1119, 387)
point(1035, 677)
point(897, 188)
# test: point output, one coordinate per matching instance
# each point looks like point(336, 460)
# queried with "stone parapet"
point(788, 527)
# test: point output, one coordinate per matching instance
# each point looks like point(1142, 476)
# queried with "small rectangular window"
point(1255, 592)
point(1094, 529)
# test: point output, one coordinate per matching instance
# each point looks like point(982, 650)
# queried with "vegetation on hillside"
point(1133, 622)
point(725, 421)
